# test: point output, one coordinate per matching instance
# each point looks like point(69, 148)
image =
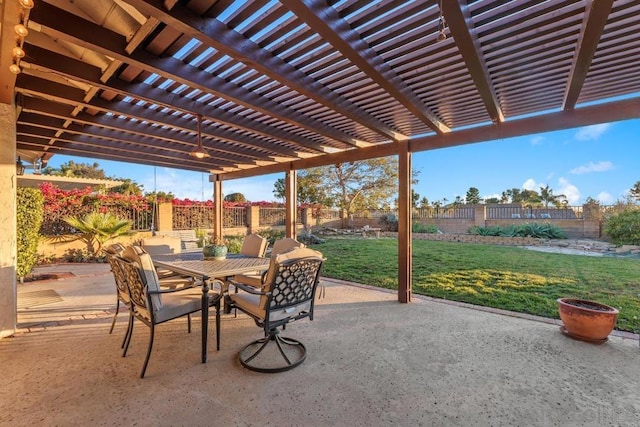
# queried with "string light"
point(18, 52)
point(21, 30)
point(27, 4)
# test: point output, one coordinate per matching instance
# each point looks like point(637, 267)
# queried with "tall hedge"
point(30, 208)
point(624, 227)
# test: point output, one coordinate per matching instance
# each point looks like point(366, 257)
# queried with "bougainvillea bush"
point(60, 204)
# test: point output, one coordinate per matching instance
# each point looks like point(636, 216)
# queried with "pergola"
point(278, 86)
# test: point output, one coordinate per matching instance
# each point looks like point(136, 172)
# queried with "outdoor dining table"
point(210, 269)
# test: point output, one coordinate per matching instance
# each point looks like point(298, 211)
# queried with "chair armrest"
point(249, 289)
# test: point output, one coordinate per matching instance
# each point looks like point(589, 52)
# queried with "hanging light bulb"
point(199, 152)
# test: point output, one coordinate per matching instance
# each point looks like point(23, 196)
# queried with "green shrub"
point(29, 208)
point(536, 230)
point(234, 243)
point(624, 227)
point(389, 222)
point(493, 230)
point(424, 228)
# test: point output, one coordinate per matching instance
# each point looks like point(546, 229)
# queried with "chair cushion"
point(138, 255)
point(249, 303)
point(177, 304)
point(254, 245)
point(284, 245)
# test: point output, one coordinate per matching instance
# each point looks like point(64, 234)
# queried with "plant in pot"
point(216, 249)
point(586, 320)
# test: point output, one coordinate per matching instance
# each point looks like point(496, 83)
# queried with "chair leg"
point(126, 346)
point(129, 330)
point(146, 360)
point(297, 353)
point(115, 316)
point(189, 322)
point(218, 324)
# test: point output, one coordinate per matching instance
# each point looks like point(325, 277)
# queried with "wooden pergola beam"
point(71, 28)
point(326, 21)
point(216, 34)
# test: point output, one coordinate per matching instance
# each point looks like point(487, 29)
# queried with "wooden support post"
point(217, 208)
point(404, 223)
point(291, 191)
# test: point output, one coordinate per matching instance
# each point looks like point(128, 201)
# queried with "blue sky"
point(600, 161)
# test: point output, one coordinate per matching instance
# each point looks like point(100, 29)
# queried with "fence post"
point(253, 219)
point(479, 215)
point(164, 222)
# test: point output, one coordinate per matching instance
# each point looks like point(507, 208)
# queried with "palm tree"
point(97, 228)
point(547, 196)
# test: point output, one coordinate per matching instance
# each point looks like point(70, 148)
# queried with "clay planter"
point(586, 320)
point(217, 252)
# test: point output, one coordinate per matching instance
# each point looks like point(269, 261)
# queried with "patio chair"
point(153, 305)
point(254, 245)
point(288, 295)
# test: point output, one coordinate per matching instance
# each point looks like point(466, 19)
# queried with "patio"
point(372, 361)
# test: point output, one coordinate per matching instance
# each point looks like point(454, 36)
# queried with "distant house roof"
point(65, 182)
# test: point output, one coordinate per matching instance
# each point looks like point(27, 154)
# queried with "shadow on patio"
point(371, 361)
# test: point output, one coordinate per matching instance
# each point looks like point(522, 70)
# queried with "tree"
point(97, 228)
point(492, 201)
point(634, 191)
point(547, 196)
point(473, 196)
point(414, 198)
point(516, 195)
point(235, 198)
point(128, 188)
point(310, 188)
point(78, 170)
point(424, 202)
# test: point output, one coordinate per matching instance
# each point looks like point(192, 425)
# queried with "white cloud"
point(536, 140)
point(592, 167)
point(593, 132)
point(605, 198)
point(531, 184)
point(569, 190)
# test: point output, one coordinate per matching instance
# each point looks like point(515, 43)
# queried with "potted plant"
point(215, 249)
point(586, 320)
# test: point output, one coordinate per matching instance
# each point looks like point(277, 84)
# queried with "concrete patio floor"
point(371, 362)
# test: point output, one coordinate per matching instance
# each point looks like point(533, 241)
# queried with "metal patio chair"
point(287, 295)
point(153, 305)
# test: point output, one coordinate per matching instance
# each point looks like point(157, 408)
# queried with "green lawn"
point(494, 276)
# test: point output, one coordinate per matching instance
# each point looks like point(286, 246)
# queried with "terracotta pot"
point(586, 320)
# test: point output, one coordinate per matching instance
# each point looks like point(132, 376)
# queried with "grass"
point(503, 277)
